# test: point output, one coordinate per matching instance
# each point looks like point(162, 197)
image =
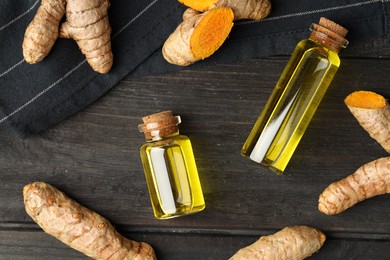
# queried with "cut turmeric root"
point(295, 242)
point(198, 36)
point(206, 25)
point(372, 111)
point(243, 9)
point(79, 227)
point(370, 180)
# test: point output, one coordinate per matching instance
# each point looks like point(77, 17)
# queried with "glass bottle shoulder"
point(307, 45)
point(177, 140)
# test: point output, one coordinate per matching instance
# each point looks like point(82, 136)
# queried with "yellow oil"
point(292, 105)
point(172, 177)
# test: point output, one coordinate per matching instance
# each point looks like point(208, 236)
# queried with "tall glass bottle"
point(296, 96)
point(169, 166)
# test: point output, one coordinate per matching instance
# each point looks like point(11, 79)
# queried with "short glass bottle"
point(169, 166)
point(296, 97)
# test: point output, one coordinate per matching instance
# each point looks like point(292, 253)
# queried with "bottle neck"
point(156, 137)
point(327, 38)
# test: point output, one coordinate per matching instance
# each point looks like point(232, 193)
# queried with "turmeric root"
point(369, 180)
point(42, 32)
point(295, 242)
point(79, 227)
point(372, 111)
point(206, 25)
point(87, 23)
point(243, 9)
point(198, 36)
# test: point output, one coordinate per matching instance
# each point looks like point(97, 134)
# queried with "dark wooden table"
point(94, 158)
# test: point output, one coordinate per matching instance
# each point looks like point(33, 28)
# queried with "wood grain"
point(37, 245)
point(94, 158)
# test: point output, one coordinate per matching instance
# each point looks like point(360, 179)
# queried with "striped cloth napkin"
point(35, 97)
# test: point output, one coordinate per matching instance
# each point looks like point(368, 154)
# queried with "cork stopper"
point(158, 125)
point(329, 34)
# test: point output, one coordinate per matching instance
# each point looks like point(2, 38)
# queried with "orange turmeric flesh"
point(365, 99)
point(372, 111)
point(211, 32)
point(200, 6)
point(242, 9)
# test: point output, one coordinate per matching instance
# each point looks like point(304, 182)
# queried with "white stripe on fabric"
point(142, 12)
point(334, 8)
point(18, 17)
point(135, 18)
point(7, 25)
point(11, 68)
point(42, 92)
point(17, 110)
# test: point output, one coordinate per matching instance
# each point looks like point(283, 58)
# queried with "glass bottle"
point(169, 165)
point(296, 96)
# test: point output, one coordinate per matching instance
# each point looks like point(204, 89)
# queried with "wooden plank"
point(94, 158)
point(38, 245)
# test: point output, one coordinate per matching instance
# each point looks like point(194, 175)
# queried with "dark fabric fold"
point(35, 97)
